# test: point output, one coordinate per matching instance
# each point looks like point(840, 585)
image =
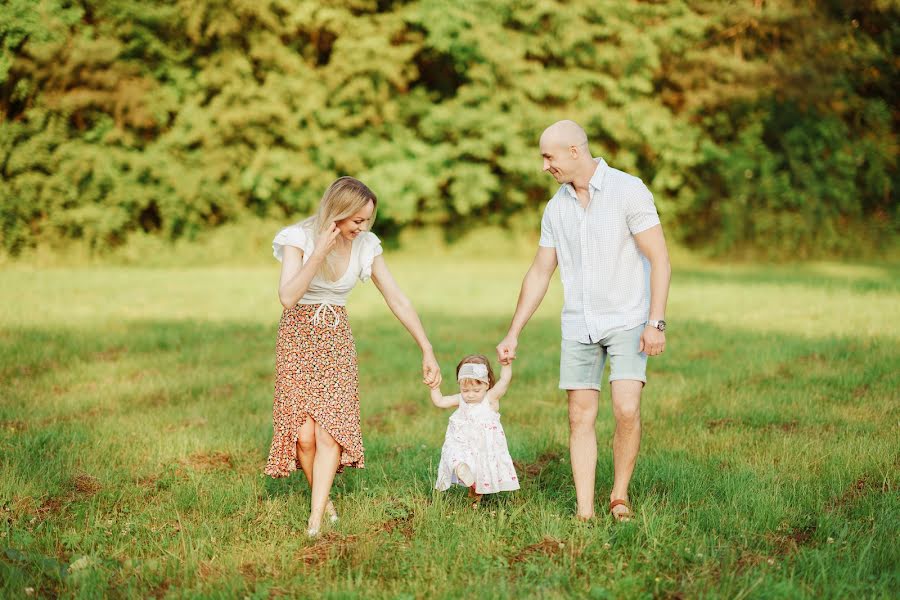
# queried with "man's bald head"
point(565, 150)
point(564, 134)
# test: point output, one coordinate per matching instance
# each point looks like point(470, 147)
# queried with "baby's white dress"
point(475, 437)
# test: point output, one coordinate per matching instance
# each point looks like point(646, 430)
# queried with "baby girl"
point(475, 453)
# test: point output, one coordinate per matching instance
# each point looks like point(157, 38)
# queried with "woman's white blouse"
point(365, 248)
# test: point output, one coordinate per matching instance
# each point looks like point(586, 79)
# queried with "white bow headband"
point(475, 371)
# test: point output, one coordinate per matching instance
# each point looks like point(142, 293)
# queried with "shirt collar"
point(596, 179)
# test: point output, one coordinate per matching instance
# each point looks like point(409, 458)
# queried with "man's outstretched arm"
point(534, 287)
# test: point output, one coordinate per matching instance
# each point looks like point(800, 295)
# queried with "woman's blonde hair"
point(343, 199)
point(478, 359)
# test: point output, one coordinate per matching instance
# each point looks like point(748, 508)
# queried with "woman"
point(316, 407)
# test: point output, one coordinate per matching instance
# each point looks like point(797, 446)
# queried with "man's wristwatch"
point(661, 325)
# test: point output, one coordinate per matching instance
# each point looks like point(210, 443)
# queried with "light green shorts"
point(581, 365)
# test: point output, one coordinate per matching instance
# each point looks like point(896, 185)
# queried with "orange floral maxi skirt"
point(316, 375)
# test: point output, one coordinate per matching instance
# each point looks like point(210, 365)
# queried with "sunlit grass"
point(135, 416)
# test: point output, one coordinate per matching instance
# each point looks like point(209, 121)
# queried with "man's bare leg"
point(583, 448)
point(626, 401)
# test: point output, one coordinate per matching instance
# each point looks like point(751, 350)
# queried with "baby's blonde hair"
point(343, 199)
point(478, 359)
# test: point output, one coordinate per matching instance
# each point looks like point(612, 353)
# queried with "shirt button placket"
point(585, 276)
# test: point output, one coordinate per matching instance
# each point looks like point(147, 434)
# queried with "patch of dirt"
point(21, 371)
point(186, 424)
point(207, 570)
point(154, 399)
point(380, 421)
point(535, 468)
point(861, 391)
point(83, 485)
point(792, 541)
point(748, 560)
point(222, 391)
point(701, 354)
point(548, 547)
point(812, 359)
point(789, 427)
point(14, 426)
point(249, 571)
point(208, 461)
point(148, 481)
point(716, 424)
point(86, 484)
point(407, 409)
point(375, 422)
point(403, 525)
point(855, 491)
point(325, 546)
point(51, 506)
point(90, 413)
point(159, 590)
point(786, 427)
point(109, 355)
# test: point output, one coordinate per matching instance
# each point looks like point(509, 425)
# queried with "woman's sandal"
point(621, 517)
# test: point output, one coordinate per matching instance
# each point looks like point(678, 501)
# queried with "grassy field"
point(135, 418)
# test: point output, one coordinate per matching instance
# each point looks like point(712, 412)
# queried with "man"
point(602, 229)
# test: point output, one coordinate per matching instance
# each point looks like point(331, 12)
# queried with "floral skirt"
point(317, 376)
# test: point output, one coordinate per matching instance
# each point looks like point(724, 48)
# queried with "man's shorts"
point(581, 365)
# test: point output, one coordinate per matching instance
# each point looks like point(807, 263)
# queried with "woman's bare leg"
point(328, 457)
point(306, 454)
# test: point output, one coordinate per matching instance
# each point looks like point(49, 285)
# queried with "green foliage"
point(766, 127)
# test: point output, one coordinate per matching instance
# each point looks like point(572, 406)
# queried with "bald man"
point(602, 229)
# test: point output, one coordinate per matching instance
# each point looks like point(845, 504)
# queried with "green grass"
point(135, 418)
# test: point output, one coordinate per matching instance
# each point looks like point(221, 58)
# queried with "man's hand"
point(653, 341)
point(506, 350)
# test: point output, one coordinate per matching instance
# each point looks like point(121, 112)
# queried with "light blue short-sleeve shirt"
point(605, 278)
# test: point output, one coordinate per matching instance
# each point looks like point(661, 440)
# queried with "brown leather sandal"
point(622, 517)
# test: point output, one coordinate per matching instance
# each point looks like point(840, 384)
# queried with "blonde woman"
point(316, 406)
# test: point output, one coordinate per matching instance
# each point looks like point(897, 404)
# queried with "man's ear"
point(573, 151)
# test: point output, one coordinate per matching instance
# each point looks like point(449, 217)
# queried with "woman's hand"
point(431, 371)
point(326, 240)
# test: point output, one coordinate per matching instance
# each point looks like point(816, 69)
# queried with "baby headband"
point(475, 371)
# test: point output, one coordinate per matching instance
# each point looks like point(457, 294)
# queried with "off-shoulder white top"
point(365, 248)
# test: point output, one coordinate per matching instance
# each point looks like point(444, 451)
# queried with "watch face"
point(661, 325)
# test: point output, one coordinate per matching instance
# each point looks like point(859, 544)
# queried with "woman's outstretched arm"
point(406, 314)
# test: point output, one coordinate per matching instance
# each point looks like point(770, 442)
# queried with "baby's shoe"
point(474, 496)
point(464, 473)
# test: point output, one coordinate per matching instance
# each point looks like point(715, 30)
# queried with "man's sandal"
point(621, 516)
